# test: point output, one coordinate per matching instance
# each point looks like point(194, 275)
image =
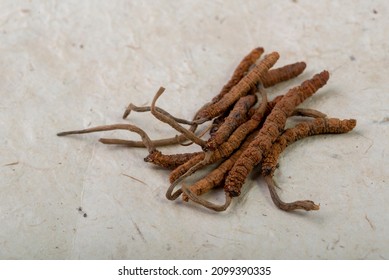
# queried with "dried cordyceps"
point(269, 132)
point(245, 84)
point(300, 131)
point(225, 149)
point(242, 135)
point(291, 135)
point(217, 176)
point(240, 71)
point(170, 121)
point(155, 156)
point(178, 139)
point(169, 161)
point(271, 129)
point(285, 73)
point(237, 116)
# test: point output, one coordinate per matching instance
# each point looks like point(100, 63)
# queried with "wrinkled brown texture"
point(300, 131)
point(169, 161)
point(245, 84)
point(240, 71)
point(237, 116)
point(291, 135)
point(228, 147)
point(282, 74)
point(217, 176)
point(242, 134)
point(271, 129)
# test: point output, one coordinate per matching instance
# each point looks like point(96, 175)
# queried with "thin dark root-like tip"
point(64, 133)
point(306, 205)
point(207, 204)
point(145, 138)
point(185, 144)
point(200, 121)
point(127, 112)
point(170, 195)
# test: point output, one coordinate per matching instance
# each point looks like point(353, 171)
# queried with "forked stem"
point(141, 109)
point(170, 121)
point(145, 138)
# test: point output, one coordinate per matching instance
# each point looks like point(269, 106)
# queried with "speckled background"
point(74, 64)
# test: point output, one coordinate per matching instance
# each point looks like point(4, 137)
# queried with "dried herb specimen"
point(167, 119)
point(155, 156)
point(177, 139)
point(271, 129)
point(169, 161)
point(132, 107)
point(285, 73)
point(291, 135)
point(237, 116)
point(225, 149)
point(245, 84)
point(242, 134)
point(300, 131)
point(240, 71)
point(217, 176)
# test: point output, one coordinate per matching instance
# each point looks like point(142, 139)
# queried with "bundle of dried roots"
point(246, 131)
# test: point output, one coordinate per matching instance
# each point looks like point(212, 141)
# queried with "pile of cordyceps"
point(244, 132)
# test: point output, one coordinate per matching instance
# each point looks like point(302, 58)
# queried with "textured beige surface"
point(74, 64)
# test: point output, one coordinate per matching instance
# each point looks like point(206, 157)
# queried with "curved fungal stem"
point(300, 131)
point(200, 136)
point(145, 138)
point(306, 205)
point(210, 205)
point(178, 139)
point(141, 109)
point(169, 193)
point(270, 131)
point(166, 119)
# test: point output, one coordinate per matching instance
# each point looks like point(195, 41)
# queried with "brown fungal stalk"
point(242, 135)
point(271, 129)
point(240, 71)
point(225, 149)
point(282, 74)
point(291, 135)
point(236, 117)
point(300, 131)
point(240, 89)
